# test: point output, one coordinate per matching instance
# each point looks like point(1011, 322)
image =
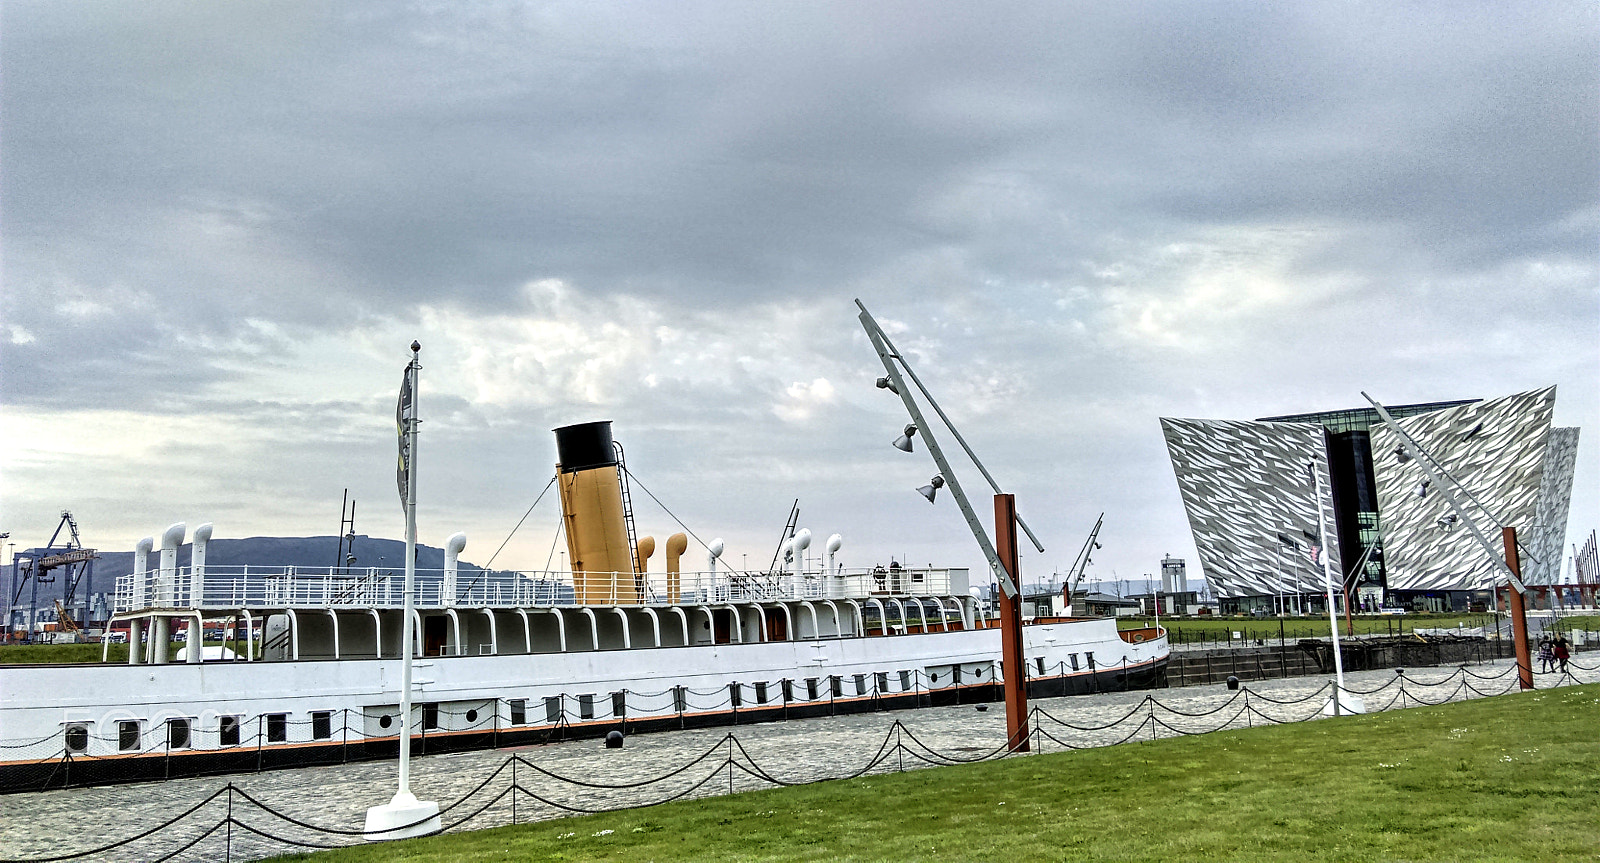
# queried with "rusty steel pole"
point(1012, 662)
point(1519, 617)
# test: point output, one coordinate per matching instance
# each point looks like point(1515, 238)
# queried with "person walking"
point(1562, 652)
point(1547, 655)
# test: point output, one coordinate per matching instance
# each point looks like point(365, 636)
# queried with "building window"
point(883, 682)
point(177, 734)
point(128, 735)
point(322, 725)
point(1072, 659)
point(1089, 656)
point(619, 704)
point(811, 689)
point(788, 690)
point(430, 716)
point(905, 681)
point(861, 684)
point(761, 692)
point(519, 710)
point(835, 685)
point(1039, 662)
point(586, 707)
point(77, 737)
point(552, 709)
point(277, 727)
point(228, 731)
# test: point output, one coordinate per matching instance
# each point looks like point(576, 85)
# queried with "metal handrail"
point(246, 586)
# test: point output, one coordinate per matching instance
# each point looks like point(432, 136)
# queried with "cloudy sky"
point(224, 223)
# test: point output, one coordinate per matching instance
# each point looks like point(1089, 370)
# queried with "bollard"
point(1233, 682)
point(983, 708)
point(614, 740)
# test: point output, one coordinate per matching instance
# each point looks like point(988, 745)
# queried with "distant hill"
point(307, 551)
point(263, 551)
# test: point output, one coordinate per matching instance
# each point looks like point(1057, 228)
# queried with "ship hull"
point(298, 713)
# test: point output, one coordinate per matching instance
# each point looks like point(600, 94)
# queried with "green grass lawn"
point(1585, 622)
point(1501, 779)
point(18, 654)
point(1194, 629)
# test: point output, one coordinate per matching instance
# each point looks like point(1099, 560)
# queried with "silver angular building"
point(1252, 505)
point(1510, 468)
point(1244, 488)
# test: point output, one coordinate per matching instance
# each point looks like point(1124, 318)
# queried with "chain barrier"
point(898, 744)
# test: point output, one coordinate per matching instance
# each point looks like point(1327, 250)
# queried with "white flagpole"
point(1340, 700)
point(405, 815)
point(411, 574)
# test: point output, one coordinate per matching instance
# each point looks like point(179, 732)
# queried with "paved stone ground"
point(49, 824)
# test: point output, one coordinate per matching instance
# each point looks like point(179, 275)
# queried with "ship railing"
point(226, 587)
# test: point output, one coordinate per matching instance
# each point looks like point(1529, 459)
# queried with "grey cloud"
point(1065, 204)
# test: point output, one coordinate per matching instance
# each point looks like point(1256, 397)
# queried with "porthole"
point(385, 721)
point(77, 738)
point(472, 716)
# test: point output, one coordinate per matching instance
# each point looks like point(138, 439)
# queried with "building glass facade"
point(1355, 487)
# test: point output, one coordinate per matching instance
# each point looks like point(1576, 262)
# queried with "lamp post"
point(1508, 565)
point(1001, 554)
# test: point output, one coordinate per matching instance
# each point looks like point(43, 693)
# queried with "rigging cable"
point(667, 511)
point(520, 521)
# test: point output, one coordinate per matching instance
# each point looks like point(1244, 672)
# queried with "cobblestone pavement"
point(49, 824)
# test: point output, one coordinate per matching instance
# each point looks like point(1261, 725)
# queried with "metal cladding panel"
point(1243, 484)
point(1555, 499)
point(1496, 450)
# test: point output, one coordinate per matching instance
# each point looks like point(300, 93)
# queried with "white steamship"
point(312, 671)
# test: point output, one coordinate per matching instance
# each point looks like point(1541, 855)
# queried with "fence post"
point(344, 748)
point(515, 789)
point(261, 718)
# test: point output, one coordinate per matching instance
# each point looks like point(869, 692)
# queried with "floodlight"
point(903, 442)
point(1422, 488)
point(1401, 455)
point(886, 384)
point(1447, 522)
point(931, 488)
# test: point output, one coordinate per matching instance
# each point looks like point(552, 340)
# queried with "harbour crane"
point(39, 566)
point(1080, 566)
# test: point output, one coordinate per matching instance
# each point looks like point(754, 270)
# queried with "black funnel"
point(585, 446)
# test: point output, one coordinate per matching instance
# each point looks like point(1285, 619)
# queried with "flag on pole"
point(404, 414)
point(1313, 545)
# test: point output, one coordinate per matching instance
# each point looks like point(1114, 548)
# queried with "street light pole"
point(1508, 565)
point(1001, 554)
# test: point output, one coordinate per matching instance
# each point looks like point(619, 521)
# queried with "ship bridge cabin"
point(304, 613)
